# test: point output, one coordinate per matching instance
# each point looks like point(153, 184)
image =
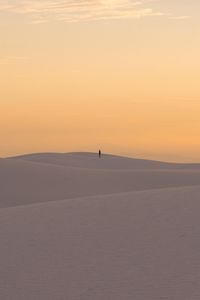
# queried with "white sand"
point(43, 178)
point(131, 244)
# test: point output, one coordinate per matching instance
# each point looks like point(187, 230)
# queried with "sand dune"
point(23, 181)
point(76, 227)
point(90, 160)
point(139, 245)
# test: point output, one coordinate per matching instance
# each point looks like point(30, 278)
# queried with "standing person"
point(99, 153)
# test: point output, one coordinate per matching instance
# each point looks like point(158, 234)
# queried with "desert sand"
point(73, 226)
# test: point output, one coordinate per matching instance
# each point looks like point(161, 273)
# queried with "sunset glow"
point(119, 75)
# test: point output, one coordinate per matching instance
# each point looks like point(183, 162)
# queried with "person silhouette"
point(99, 153)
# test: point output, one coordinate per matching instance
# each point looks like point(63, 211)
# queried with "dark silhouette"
point(99, 153)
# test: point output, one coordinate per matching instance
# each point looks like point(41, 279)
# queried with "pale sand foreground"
point(142, 245)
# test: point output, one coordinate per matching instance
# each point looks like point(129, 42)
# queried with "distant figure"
point(99, 153)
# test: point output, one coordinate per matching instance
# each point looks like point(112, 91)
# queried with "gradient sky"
point(120, 75)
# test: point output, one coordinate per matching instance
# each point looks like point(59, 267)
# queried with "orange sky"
point(119, 75)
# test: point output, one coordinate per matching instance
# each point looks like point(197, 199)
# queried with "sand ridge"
point(24, 181)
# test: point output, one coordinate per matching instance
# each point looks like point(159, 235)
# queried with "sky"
point(119, 75)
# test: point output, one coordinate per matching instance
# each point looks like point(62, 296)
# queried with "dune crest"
point(108, 161)
point(50, 177)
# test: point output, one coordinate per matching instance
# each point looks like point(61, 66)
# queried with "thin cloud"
point(181, 17)
point(79, 10)
point(9, 60)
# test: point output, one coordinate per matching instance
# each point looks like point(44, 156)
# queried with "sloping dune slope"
point(139, 245)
